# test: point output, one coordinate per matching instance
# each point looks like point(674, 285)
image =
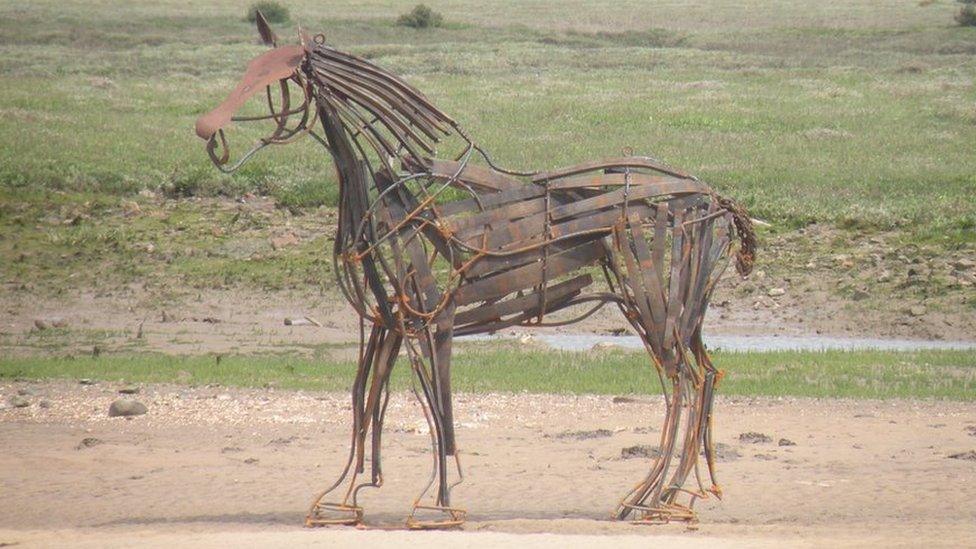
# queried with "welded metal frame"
point(427, 249)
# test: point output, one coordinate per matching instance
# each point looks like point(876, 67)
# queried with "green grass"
point(50, 236)
point(859, 113)
point(477, 368)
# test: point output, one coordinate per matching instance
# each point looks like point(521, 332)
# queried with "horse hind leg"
point(668, 318)
point(369, 397)
point(687, 429)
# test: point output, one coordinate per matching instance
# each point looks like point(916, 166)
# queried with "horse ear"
point(264, 29)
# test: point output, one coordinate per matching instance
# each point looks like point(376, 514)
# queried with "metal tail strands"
point(427, 249)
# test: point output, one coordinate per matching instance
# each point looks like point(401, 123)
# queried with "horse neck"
point(354, 179)
point(379, 111)
point(360, 180)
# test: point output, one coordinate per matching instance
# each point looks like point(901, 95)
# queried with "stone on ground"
point(126, 408)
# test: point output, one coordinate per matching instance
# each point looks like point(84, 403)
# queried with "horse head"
point(279, 67)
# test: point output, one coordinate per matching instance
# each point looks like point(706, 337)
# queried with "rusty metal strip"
point(488, 202)
point(626, 162)
point(531, 212)
point(525, 318)
point(527, 276)
point(263, 71)
point(654, 293)
point(494, 263)
point(363, 66)
point(402, 131)
point(635, 280)
point(528, 231)
point(675, 302)
point(528, 302)
point(474, 175)
point(596, 181)
point(376, 86)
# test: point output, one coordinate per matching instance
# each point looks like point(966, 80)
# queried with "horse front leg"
point(370, 392)
point(431, 361)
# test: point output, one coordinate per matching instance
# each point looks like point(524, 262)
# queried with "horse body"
point(428, 249)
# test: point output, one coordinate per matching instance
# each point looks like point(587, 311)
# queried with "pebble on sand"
point(753, 437)
point(640, 451)
point(126, 408)
point(88, 442)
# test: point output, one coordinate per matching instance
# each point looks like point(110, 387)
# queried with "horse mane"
point(396, 118)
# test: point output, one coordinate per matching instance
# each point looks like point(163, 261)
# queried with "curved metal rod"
point(281, 117)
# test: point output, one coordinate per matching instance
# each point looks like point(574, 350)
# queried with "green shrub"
point(420, 17)
point(272, 11)
point(967, 16)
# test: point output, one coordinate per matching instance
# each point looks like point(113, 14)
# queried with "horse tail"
point(745, 257)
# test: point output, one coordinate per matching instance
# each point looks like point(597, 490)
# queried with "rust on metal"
point(263, 71)
point(430, 248)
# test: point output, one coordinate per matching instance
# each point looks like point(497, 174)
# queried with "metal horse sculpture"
point(428, 249)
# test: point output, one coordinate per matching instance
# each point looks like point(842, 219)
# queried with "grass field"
point(858, 113)
point(859, 116)
point(863, 374)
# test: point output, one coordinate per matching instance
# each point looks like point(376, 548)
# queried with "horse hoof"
point(452, 518)
point(334, 514)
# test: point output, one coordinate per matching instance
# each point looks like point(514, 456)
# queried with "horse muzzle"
point(263, 71)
